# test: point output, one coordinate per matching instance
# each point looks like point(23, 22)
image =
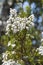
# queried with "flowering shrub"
point(19, 49)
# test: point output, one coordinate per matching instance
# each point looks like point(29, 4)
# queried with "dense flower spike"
point(16, 23)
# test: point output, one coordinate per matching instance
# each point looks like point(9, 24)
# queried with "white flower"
point(27, 27)
point(8, 22)
point(27, 22)
point(13, 45)
point(13, 12)
point(42, 40)
point(22, 26)
point(40, 49)
point(4, 56)
point(9, 43)
point(31, 18)
point(6, 33)
point(7, 27)
point(12, 19)
point(42, 32)
point(10, 62)
point(13, 52)
point(32, 23)
point(15, 30)
point(18, 18)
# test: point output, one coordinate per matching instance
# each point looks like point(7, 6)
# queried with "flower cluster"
point(7, 61)
point(40, 49)
point(10, 62)
point(9, 44)
point(5, 56)
point(16, 23)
